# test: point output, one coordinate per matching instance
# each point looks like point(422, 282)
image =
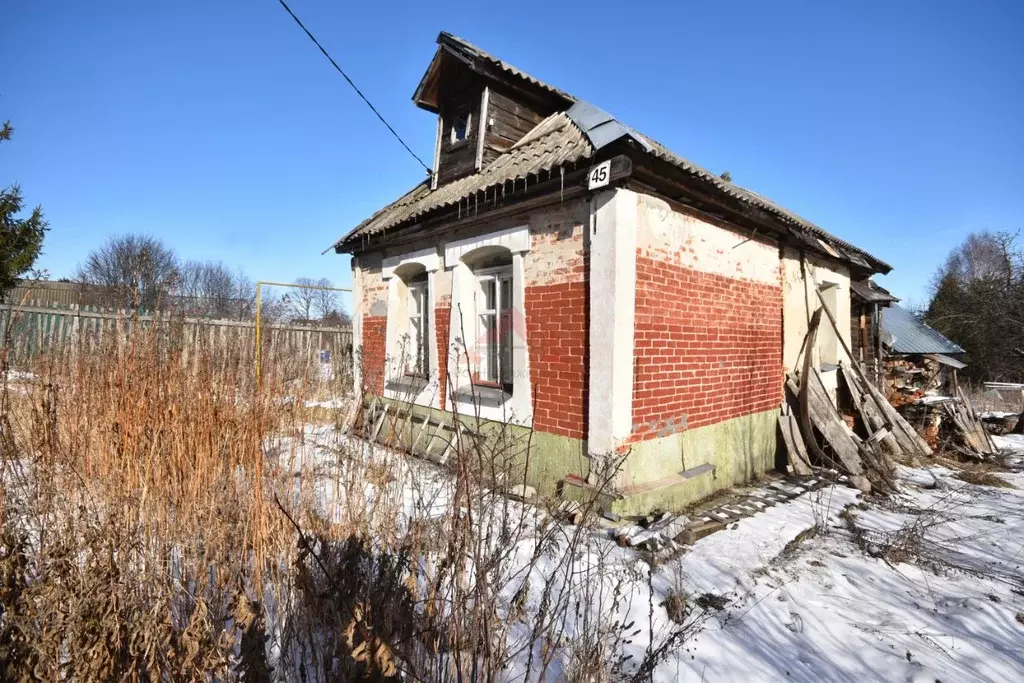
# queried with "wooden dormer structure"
point(483, 107)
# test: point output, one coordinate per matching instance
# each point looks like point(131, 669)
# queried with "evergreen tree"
point(21, 239)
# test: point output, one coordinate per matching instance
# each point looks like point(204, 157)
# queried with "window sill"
point(486, 395)
point(413, 383)
point(459, 144)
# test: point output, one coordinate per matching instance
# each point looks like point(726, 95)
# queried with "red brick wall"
point(556, 328)
point(374, 335)
point(442, 321)
point(708, 348)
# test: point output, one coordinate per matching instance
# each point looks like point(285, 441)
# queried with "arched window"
point(492, 268)
point(415, 324)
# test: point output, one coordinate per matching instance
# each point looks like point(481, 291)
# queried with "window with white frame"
point(417, 356)
point(462, 122)
point(494, 311)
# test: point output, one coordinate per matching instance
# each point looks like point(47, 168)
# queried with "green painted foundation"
point(667, 473)
point(737, 450)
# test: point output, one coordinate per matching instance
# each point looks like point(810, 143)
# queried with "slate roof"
point(469, 49)
point(903, 333)
point(569, 137)
point(554, 141)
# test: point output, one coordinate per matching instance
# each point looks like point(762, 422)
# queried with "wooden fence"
point(31, 329)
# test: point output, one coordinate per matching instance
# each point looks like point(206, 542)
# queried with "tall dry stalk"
point(135, 517)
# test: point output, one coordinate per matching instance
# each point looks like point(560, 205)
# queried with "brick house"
point(562, 273)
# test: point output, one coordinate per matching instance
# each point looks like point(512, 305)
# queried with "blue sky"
point(219, 128)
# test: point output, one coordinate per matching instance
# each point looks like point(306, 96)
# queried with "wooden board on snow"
point(871, 413)
point(836, 432)
point(795, 446)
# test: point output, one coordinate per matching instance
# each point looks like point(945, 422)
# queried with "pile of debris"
point(909, 377)
point(665, 534)
point(1002, 422)
point(996, 398)
point(951, 424)
point(862, 440)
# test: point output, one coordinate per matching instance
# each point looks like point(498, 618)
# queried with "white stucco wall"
point(613, 227)
point(800, 302)
point(693, 242)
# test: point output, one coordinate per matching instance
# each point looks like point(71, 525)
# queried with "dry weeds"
point(160, 521)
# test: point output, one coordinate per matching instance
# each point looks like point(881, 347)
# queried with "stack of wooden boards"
point(885, 433)
point(397, 426)
point(969, 436)
point(811, 412)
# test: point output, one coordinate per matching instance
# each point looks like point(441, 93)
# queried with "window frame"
point(467, 133)
point(418, 364)
point(504, 285)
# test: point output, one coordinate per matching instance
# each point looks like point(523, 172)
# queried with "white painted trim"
point(483, 128)
point(515, 409)
point(396, 384)
point(357, 326)
point(516, 240)
point(428, 258)
point(437, 151)
point(613, 239)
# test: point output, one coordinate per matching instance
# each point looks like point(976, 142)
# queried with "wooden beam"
point(822, 414)
point(877, 425)
point(795, 447)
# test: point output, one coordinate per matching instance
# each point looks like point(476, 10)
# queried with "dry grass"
point(159, 520)
point(137, 530)
point(984, 478)
point(980, 473)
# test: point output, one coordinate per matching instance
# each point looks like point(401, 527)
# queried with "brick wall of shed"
point(557, 310)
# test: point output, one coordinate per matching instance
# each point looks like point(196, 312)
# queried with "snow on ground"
point(946, 610)
point(1012, 448)
point(928, 586)
point(996, 414)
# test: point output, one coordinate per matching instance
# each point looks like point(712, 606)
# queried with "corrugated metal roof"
point(554, 141)
point(903, 333)
point(946, 360)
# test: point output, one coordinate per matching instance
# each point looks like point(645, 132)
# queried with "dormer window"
point(462, 123)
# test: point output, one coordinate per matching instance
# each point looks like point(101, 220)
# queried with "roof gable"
point(455, 53)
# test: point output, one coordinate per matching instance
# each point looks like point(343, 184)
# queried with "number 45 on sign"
point(599, 175)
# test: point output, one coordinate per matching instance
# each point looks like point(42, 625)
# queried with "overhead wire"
point(354, 87)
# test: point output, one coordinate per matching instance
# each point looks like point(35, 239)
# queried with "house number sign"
point(599, 175)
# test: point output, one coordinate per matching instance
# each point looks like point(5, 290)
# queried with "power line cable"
point(358, 91)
